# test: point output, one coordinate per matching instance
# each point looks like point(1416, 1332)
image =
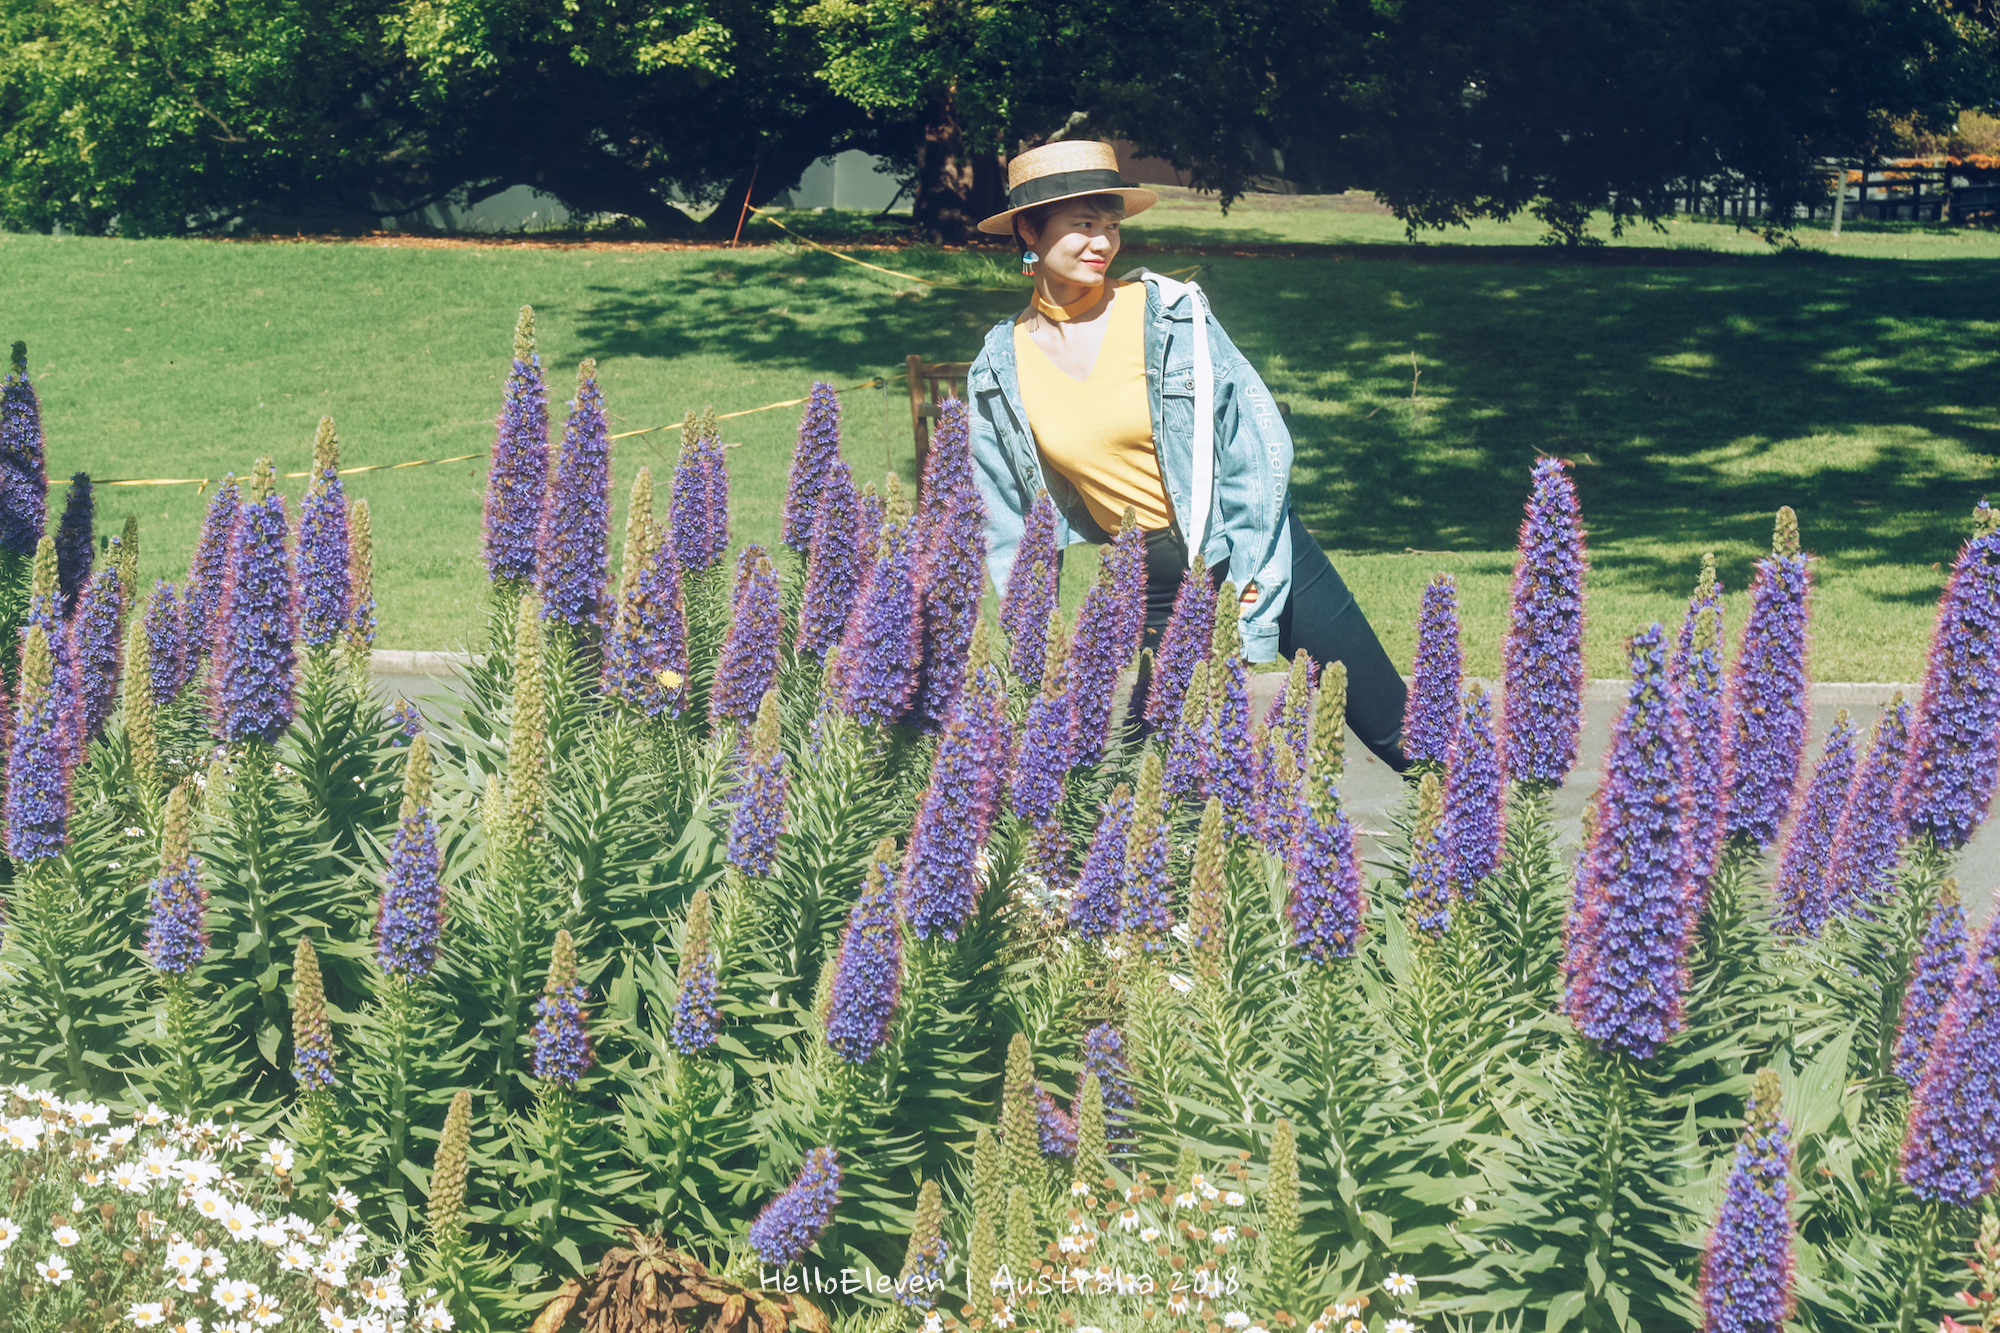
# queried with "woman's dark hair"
point(1039, 215)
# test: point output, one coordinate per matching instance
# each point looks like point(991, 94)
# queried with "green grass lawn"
point(1696, 389)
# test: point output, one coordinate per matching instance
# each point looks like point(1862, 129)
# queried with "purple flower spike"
point(1542, 709)
point(1430, 718)
point(1187, 750)
point(24, 481)
point(1628, 940)
point(1107, 637)
point(883, 647)
point(168, 651)
point(1327, 901)
point(791, 1223)
point(1430, 892)
point(411, 916)
point(646, 662)
point(1867, 842)
point(1804, 888)
point(834, 570)
point(1185, 643)
point(562, 1033)
point(697, 1018)
point(325, 581)
point(813, 458)
point(74, 533)
point(1698, 686)
point(1953, 1142)
point(1939, 961)
point(1147, 849)
point(1055, 1128)
point(1770, 708)
point(254, 655)
point(1746, 1271)
point(574, 546)
point(941, 870)
point(1041, 759)
point(210, 570)
point(1098, 908)
point(176, 901)
point(1104, 1056)
point(97, 648)
point(1032, 593)
point(38, 771)
point(760, 802)
point(868, 979)
point(700, 497)
point(517, 478)
point(1955, 743)
point(749, 661)
point(953, 575)
point(1475, 815)
point(1228, 764)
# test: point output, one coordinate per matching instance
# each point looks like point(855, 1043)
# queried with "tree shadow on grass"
point(1694, 398)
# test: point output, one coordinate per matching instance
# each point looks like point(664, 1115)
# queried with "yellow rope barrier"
point(907, 277)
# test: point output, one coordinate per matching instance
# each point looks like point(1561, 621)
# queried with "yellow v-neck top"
point(1098, 432)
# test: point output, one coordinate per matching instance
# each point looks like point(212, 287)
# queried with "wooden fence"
point(1891, 191)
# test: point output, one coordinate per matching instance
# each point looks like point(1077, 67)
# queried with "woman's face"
point(1077, 244)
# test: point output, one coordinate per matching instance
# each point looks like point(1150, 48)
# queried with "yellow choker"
point(1062, 314)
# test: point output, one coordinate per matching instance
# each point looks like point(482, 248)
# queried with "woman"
point(1108, 394)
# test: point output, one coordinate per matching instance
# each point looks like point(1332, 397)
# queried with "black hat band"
point(1060, 183)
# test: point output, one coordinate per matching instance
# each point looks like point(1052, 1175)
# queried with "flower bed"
point(836, 956)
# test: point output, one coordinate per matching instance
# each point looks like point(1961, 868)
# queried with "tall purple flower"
point(176, 901)
point(696, 1016)
point(167, 647)
point(24, 482)
point(1148, 846)
point(868, 978)
point(411, 915)
point(1188, 743)
point(562, 1032)
point(1430, 892)
point(835, 568)
point(749, 661)
point(97, 648)
point(573, 557)
point(254, 656)
point(700, 507)
point(953, 572)
point(1032, 592)
point(1746, 1270)
point(1098, 908)
point(1770, 707)
point(883, 646)
point(517, 478)
point(941, 869)
point(1475, 812)
point(325, 581)
point(1327, 901)
point(1430, 718)
point(1938, 963)
point(1954, 758)
point(1699, 689)
point(1043, 745)
point(1228, 762)
point(813, 457)
point(1628, 941)
point(1953, 1143)
point(1104, 1056)
point(1867, 842)
point(1184, 644)
point(75, 537)
point(1804, 888)
point(209, 570)
point(1107, 637)
point(1055, 1128)
point(646, 662)
point(1542, 708)
point(791, 1223)
point(760, 802)
point(38, 771)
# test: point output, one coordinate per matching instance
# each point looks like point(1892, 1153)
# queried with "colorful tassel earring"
point(1028, 261)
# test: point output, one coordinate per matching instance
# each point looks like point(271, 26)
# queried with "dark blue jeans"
point(1320, 618)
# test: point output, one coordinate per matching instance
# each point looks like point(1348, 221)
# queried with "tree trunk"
point(944, 209)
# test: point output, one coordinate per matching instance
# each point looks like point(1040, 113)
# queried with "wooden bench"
point(931, 382)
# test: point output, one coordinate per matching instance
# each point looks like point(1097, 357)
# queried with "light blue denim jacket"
point(1253, 456)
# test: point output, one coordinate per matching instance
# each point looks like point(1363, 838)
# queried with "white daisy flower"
point(145, 1314)
point(67, 1236)
point(1399, 1326)
point(1236, 1319)
point(53, 1270)
point(1233, 1199)
point(232, 1295)
point(10, 1231)
point(1400, 1284)
point(1149, 1234)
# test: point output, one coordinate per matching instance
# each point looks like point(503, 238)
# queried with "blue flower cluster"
point(1954, 759)
point(1747, 1268)
point(749, 661)
point(835, 569)
point(1430, 717)
point(254, 655)
point(1939, 959)
point(1868, 840)
point(574, 545)
point(517, 477)
point(1098, 907)
point(868, 979)
point(1952, 1148)
point(1804, 888)
point(1770, 704)
point(791, 1223)
point(1475, 812)
point(1327, 902)
point(1032, 593)
point(1542, 655)
point(818, 448)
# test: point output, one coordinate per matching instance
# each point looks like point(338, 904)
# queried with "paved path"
point(1372, 790)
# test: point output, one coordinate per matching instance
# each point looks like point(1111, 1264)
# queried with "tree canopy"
point(165, 116)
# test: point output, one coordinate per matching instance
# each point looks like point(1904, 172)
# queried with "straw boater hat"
point(1065, 170)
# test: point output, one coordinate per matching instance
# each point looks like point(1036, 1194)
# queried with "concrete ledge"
point(409, 662)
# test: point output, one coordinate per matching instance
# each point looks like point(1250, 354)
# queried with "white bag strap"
point(1196, 522)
